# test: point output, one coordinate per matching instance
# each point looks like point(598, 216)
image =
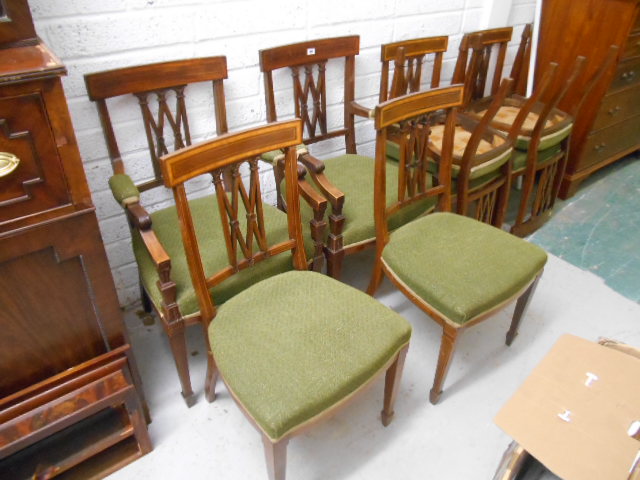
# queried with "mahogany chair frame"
point(229, 151)
point(409, 58)
point(163, 81)
point(304, 60)
point(413, 113)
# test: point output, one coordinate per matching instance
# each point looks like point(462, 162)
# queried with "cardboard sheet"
point(574, 411)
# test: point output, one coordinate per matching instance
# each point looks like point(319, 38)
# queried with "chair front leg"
point(447, 347)
point(178, 343)
point(391, 384)
point(521, 306)
point(276, 456)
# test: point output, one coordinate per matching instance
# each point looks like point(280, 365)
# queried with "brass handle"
point(614, 111)
point(600, 147)
point(8, 163)
point(628, 75)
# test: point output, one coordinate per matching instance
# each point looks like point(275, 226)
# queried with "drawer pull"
point(8, 163)
point(600, 147)
point(628, 76)
point(614, 111)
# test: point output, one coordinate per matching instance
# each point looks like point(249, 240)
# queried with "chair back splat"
point(244, 248)
point(409, 58)
point(483, 67)
point(307, 62)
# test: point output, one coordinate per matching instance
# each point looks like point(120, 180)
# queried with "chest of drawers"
point(608, 124)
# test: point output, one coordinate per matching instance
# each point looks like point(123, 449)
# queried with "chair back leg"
point(521, 307)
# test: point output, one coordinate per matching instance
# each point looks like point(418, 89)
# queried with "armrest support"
point(316, 170)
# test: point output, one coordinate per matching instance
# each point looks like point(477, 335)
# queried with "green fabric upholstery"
point(459, 266)
point(520, 156)
point(296, 344)
point(547, 141)
point(353, 175)
point(213, 251)
point(123, 189)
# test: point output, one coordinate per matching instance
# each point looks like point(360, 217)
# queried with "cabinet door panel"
point(57, 301)
point(38, 183)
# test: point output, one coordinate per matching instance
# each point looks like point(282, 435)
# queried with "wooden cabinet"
point(608, 125)
point(67, 373)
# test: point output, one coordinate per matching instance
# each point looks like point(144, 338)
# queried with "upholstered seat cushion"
point(520, 156)
point(353, 175)
point(214, 254)
point(459, 266)
point(484, 165)
point(296, 344)
point(557, 127)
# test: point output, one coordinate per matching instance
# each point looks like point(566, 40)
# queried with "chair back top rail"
point(158, 84)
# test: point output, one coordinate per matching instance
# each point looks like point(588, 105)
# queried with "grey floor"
point(456, 439)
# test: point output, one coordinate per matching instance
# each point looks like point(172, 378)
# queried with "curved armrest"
point(123, 189)
point(316, 170)
point(360, 110)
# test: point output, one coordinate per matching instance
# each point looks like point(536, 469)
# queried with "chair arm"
point(360, 110)
point(315, 167)
point(123, 189)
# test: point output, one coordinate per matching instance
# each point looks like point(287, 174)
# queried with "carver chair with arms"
point(295, 346)
point(457, 270)
point(346, 181)
point(163, 92)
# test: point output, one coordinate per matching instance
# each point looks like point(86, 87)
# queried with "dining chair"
point(165, 94)
point(297, 346)
point(345, 180)
point(457, 270)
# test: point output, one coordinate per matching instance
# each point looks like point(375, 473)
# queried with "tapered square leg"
point(391, 386)
point(447, 347)
point(276, 456)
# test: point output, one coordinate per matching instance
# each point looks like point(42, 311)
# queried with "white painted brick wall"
point(91, 36)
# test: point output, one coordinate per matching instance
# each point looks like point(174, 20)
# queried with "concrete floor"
point(453, 440)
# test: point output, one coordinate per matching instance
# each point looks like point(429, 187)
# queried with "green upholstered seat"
point(295, 344)
point(353, 175)
point(520, 156)
point(211, 241)
point(467, 267)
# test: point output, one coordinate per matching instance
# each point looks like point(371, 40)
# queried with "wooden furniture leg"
point(276, 456)
point(447, 347)
point(212, 376)
point(178, 343)
point(521, 307)
point(391, 382)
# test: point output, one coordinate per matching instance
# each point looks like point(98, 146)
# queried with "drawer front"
point(618, 106)
point(636, 25)
point(37, 183)
point(609, 141)
point(632, 48)
point(627, 74)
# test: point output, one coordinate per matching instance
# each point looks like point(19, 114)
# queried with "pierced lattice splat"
point(407, 75)
point(413, 141)
point(312, 88)
point(545, 189)
point(485, 209)
point(252, 243)
point(175, 121)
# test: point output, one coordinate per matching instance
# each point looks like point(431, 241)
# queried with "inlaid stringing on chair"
point(346, 181)
point(295, 346)
point(409, 58)
point(457, 270)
